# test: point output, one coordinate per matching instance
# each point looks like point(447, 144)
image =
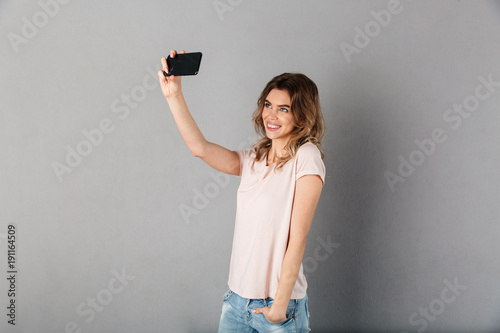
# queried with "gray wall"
point(135, 236)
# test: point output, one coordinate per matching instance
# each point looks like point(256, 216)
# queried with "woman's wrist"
point(174, 97)
point(278, 311)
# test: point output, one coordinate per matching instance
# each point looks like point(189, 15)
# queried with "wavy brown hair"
point(306, 112)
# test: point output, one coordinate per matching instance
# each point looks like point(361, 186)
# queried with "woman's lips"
point(273, 127)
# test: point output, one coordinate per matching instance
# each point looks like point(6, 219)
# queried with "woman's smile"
point(273, 127)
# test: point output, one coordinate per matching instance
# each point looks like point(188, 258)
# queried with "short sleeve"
point(309, 162)
point(244, 156)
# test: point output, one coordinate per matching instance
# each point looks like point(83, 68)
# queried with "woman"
point(281, 182)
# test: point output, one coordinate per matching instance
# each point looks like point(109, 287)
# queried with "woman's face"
point(277, 116)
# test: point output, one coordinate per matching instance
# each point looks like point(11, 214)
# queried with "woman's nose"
point(273, 113)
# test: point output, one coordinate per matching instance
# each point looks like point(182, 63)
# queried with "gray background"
point(120, 208)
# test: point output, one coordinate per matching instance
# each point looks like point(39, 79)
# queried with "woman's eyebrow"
point(282, 105)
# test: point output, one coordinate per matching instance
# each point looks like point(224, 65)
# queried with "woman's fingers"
point(164, 64)
point(161, 76)
point(173, 53)
point(170, 85)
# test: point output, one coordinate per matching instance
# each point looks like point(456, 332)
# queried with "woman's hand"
point(271, 315)
point(170, 85)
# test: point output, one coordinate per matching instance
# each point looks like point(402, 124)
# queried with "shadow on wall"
point(355, 141)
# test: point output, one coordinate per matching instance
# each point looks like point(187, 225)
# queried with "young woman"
point(281, 181)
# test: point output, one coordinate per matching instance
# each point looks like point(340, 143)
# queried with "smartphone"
point(183, 64)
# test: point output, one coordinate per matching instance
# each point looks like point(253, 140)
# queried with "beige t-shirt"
point(263, 214)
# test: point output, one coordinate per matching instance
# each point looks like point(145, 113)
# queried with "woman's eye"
point(284, 110)
point(268, 105)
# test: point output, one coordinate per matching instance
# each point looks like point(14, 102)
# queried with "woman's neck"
point(275, 151)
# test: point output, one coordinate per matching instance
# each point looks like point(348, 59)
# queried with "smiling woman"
point(281, 181)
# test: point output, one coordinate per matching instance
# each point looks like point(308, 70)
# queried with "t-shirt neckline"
point(270, 165)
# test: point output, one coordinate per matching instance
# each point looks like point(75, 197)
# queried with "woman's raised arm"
point(216, 156)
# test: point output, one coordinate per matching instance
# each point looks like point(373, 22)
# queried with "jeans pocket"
point(290, 316)
point(228, 295)
point(288, 324)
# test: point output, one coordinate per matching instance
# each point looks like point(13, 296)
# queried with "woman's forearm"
point(187, 125)
point(289, 273)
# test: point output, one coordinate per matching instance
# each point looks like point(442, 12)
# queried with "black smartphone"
point(183, 64)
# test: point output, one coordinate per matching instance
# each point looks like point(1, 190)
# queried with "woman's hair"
point(306, 112)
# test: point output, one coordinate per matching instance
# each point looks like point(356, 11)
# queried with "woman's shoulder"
point(246, 153)
point(247, 157)
point(310, 161)
point(308, 149)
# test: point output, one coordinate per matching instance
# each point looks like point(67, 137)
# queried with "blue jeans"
point(237, 316)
